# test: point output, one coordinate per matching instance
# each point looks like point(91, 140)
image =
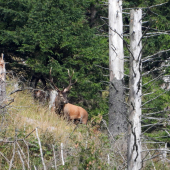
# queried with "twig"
point(153, 13)
point(27, 153)
point(113, 139)
point(144, 59)
point(154, 142)
point(15, 91)
point(153, 33)
point(146, 90)
point(154, 69)
point(35, 167)
point(55, 162)
point(162, 137)
point(10, 166)
point(156, 150)
point(120, 37)
point(154, 29)
point(39, 142)
point(154, 98)
point(62, 156)
point(23, 166)
point(1, 107)
point(101, 67)
point(151, 125)
point(156, 5)
point(127, 46)
point(108, 159)
point(142, 37)
point(30, 133)
point(167, 132)
point(167, 160)
point(5, 157)
point(153, 79)
point(74, 130)
point(151, 159)
point(147, 114)
point(146, 7)
point(146, 94)
point(23, 154)
point(152, 118)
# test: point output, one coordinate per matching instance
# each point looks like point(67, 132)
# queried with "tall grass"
point(84, 146)
point(28, 127)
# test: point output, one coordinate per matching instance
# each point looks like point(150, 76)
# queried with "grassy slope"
point(84, 146)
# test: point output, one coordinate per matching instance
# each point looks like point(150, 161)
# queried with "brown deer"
point(70, 111)
point(39, 94)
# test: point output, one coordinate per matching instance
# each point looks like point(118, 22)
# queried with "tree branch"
point(155, 97)
point(148, 57)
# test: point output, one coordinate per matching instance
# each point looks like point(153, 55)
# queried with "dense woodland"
point(59, 34)
point(36, 35)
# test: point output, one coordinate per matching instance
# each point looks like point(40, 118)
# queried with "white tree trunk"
point(116, 55)
point(2, 82)
point(134, 127)
point(117, 108)
point(53, 94)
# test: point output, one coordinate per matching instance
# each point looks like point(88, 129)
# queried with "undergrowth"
point(85, 147)
point(32, 137)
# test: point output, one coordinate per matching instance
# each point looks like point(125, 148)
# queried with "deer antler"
point(51, 79)
point(70, 83)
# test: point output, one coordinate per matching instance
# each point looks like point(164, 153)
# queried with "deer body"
point(74, 112)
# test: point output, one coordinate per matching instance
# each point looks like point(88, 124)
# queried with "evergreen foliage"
point(56, 34)
point(64, 34)
point(67, 34)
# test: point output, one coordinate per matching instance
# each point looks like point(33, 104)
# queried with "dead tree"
point(2, 81)
point(134, 126)
point(117, 108)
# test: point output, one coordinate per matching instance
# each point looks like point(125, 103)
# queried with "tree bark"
point(117, 108)
point(134, 127)
point(2, 82)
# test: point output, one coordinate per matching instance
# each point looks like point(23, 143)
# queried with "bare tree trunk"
point(2, 81)
point(117, 108)
point(53, 94)
point(134, 127)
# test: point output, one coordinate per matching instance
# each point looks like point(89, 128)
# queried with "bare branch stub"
point(2, 67)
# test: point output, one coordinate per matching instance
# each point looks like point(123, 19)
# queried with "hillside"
point(32, 137)
point(29, 129)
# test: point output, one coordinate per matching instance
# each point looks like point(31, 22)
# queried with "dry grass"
point(25, 114)
point(85, 147)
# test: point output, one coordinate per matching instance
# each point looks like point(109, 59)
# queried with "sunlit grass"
point(26, 112)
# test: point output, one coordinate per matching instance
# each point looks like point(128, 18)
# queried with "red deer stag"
point(70, 111)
